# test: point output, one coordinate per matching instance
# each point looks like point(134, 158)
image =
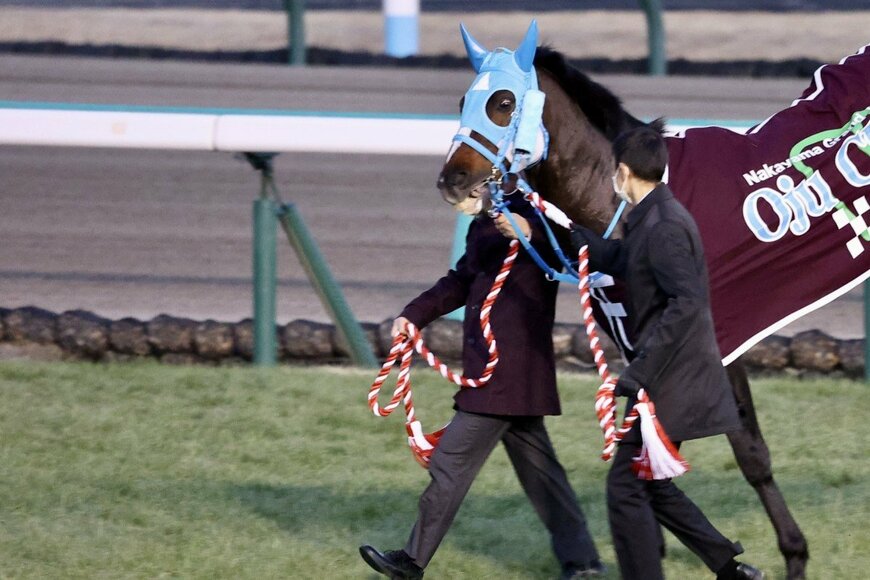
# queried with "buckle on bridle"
point(510, 183)
point(507, 183)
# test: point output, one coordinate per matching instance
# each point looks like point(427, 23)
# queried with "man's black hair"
point(643, 149)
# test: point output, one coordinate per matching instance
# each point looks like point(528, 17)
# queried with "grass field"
point(146, 471)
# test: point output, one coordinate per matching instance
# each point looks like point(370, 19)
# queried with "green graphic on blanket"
point(831, 137)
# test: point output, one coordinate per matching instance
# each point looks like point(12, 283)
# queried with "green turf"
point(146, 471)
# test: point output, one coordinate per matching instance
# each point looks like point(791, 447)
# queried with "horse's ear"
point(525, 53)
point(476, 52)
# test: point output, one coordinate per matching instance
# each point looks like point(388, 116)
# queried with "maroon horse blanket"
point(782, 209)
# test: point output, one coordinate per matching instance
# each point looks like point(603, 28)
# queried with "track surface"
point(460, 5)
point(138, 233)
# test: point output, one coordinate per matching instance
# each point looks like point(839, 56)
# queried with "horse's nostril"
point(451, 185)
point(449, 195)
point(453, 179)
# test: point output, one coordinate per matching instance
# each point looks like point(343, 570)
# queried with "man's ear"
point(625, 170)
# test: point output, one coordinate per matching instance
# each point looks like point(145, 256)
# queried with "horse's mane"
point(603, 109)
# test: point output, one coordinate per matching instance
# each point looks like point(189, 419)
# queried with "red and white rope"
point(402, 349)
point(659, 457)
point(605, 400)
point(552, 212)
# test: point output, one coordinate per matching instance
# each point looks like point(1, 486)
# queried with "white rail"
point(85, 125)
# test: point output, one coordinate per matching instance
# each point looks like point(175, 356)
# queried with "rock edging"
point(34, 333)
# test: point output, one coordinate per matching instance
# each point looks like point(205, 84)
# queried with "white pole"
point(401, 27)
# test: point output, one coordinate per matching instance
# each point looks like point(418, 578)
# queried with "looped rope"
point(659, 458)
point(403, 348)
point(605, 400)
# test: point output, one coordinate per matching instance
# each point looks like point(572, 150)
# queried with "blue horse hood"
point(499, 71)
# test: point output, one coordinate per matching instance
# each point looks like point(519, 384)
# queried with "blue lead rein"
point(552, 274)
point(549, 271)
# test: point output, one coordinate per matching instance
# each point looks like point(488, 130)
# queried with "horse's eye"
point(505, 104)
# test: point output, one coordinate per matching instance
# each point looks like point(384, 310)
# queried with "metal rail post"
point(265, 340)
point(295, 32)
point(313, 262)
point(327, 288)
point(655, 30)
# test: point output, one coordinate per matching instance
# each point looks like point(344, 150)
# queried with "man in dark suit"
point(510, 408)
point(676, 360)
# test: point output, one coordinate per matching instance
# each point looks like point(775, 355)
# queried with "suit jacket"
point(677, 360)
point(524, 382)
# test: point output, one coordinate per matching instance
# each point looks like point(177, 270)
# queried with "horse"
point(582, 118)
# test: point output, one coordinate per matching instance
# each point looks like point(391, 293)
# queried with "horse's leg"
point(753, 457)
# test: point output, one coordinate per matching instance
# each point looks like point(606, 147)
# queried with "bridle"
point(520, 146)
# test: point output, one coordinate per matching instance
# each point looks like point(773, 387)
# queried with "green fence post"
point(266, 209)
point(658, 61)
point(327, 288)
point(295, 31)
point(265, 342)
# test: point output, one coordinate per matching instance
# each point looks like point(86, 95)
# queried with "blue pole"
point(459, 233)
point(401, 27)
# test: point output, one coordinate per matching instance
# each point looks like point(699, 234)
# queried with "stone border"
point(37, 334)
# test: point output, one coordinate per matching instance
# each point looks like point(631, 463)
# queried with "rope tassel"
point(423, 444)
point(659, 457)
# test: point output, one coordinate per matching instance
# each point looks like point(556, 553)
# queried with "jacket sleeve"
point(673, 264)
point(608, 256)
point(448, 294)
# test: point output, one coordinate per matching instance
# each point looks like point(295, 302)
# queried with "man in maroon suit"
point(510, 408)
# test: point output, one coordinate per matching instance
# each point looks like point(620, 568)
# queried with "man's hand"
point(400, 326)
point(504, 226)
point(580, 237)
point(626, 387)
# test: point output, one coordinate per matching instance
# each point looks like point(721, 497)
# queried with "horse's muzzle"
point(453, 186)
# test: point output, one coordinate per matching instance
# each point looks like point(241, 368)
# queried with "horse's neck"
point(576, 174)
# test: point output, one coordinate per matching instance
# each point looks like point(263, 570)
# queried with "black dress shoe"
point(595, 568)
point(734, 570)
point(747, 572)
point(395, 564)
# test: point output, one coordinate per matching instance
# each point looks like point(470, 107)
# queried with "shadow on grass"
point(488, 526)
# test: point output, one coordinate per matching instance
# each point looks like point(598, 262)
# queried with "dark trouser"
point(636, 508)
point(464, 447)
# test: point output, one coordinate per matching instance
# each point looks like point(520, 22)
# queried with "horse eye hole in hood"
point(500, 106)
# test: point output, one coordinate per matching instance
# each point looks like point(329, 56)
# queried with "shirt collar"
point(659, 193)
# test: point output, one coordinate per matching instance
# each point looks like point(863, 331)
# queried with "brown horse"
point(582, 118)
